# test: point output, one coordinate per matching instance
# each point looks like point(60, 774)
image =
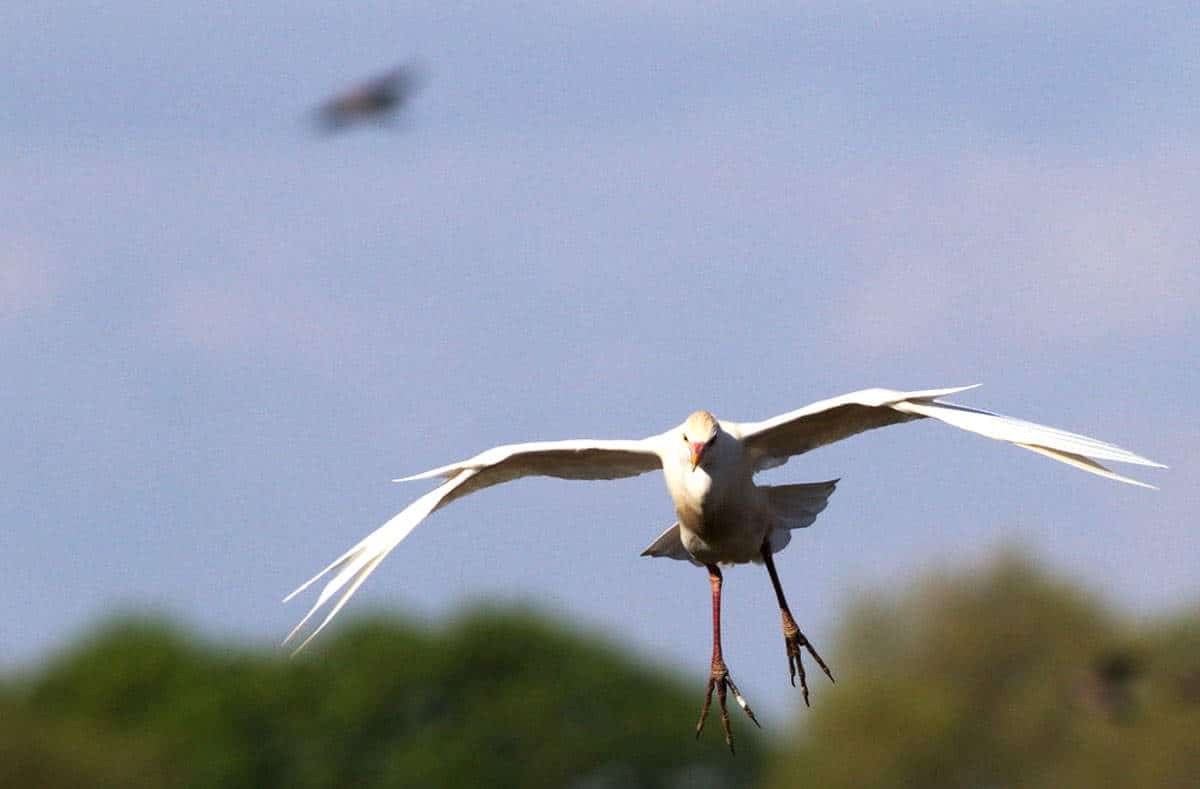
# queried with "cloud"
point(1033, 249)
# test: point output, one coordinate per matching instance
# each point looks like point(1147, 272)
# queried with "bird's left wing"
point(771, 441)
point(574, 459)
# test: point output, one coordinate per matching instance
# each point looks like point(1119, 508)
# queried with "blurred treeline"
point(1004, 677)
point(999, 677)
point(500, 698)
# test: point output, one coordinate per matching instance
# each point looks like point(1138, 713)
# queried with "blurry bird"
point(376, 100)
point(723, 516)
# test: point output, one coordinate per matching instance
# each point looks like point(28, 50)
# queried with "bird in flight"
point(373, 100)
point(723, 516)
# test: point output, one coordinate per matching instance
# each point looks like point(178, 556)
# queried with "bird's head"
point(700, 431)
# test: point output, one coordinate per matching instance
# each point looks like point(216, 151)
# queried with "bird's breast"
point(692, 493)
point(705, 507)
point(719, 520)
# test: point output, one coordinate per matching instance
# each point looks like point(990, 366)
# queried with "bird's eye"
point(685, 437)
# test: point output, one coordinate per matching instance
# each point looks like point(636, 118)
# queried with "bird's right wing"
point(574, 459)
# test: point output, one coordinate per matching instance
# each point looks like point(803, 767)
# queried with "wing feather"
point(774, 440)
point(574, 459)
point(829, 421)
point(1021, 432)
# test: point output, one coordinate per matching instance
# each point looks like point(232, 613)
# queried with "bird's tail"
point(669, 545)
point(795, 507)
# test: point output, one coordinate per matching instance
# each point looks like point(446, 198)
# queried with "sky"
point(223, 334)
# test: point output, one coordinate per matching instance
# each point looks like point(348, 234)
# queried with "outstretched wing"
point(575, 459)
point(772, 441)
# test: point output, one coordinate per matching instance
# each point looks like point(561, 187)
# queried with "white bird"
point(723, 516)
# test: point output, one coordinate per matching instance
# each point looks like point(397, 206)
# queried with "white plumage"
point(724, 516)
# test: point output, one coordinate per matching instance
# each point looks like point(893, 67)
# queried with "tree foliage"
point(1005, 678)
point(499, 698)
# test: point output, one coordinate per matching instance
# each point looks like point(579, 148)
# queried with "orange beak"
point(697, 453)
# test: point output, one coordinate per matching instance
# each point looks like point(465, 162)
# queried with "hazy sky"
point(222, 334)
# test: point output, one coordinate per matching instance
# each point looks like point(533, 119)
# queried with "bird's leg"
point(719, 679)
point(792, 637)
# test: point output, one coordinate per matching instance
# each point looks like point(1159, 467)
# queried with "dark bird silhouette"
point(377, 100)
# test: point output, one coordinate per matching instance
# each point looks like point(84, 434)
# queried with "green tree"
point(46, 751)
point(497, 698)
point(1003, 678)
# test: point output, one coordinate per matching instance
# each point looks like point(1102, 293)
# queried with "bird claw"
point(793, 639)
point(721, 682)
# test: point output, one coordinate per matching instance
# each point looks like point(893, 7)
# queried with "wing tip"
point(443, 472)
point(933, 394)
point(1084, 463)
point(1132, 481)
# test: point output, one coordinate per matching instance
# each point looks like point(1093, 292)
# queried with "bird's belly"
point(720, 523)
point(723, 538)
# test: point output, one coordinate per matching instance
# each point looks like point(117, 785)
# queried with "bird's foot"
point(720, 681)
point(794, 640)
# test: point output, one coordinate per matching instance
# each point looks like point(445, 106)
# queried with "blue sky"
point(222, 334)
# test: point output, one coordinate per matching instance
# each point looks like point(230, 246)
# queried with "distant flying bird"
point(374, 100)
point(724, 518)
